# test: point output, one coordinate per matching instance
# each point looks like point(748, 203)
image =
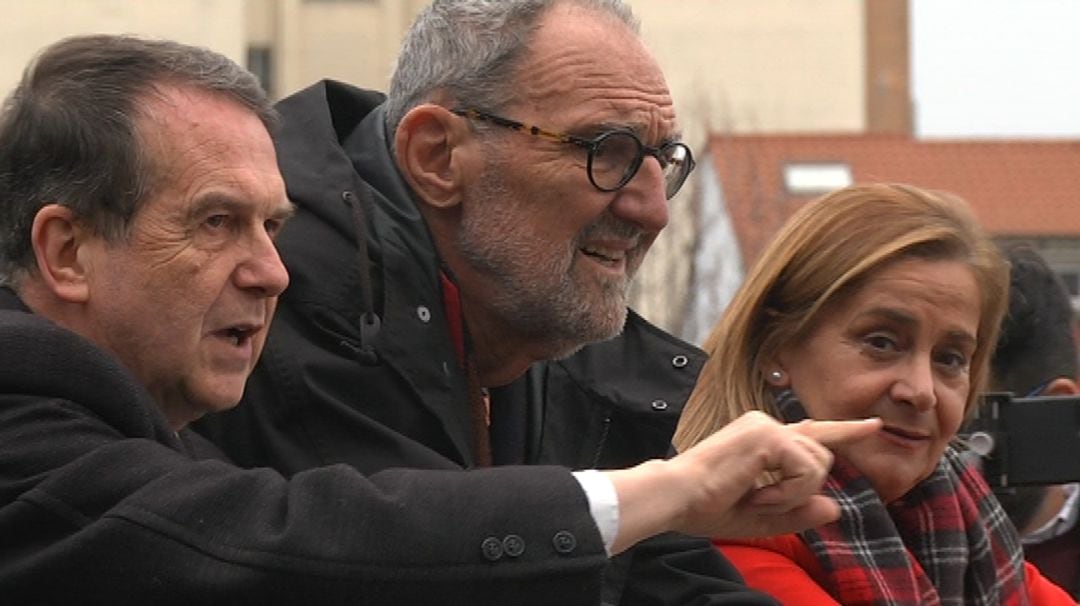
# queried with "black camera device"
point(1026, 441)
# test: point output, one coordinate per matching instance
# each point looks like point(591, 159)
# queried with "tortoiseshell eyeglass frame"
point(672, 154)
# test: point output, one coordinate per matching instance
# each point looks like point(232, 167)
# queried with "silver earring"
point(776, 376)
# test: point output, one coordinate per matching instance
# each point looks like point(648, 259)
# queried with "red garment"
point(479, 405)
point(454, 321)
point(1059, 559)
point(785, 567)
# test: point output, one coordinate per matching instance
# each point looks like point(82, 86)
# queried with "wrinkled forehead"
point(590, 67)
point(195, 140)
point(175, 120)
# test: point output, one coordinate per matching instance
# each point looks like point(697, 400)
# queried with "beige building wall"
point(744, 66)
point(733, 65)
point(29, 25)
point(760, 65)
point(352, 40)
point(355, 41)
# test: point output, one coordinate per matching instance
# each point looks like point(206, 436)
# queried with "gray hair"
point(471, 48)
point(68, 132)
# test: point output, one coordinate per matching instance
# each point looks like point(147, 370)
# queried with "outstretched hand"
point(754, 477)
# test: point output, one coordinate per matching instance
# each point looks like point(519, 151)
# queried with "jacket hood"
point(310, 145)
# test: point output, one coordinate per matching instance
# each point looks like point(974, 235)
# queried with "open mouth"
point(606, 256)
point(238, 335)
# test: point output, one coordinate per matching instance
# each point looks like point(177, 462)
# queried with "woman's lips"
point(908, 438)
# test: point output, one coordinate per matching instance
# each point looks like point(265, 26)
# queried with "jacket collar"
point(41, 357)
point(335, 139)
point(11, 301)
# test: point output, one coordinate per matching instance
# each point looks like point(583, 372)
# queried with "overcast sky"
point(996, 67)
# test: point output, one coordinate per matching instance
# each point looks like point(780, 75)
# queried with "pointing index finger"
point(835, 433)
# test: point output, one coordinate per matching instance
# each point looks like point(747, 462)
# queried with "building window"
point(260, 61)
point(814, 178)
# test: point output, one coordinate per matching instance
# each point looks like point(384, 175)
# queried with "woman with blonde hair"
point(874, 301)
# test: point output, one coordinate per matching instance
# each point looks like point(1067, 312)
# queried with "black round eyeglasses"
point(615, 156)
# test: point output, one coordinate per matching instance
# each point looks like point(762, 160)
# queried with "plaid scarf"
point(947, 541)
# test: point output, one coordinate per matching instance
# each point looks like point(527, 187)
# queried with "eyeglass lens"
point(617, 156)
point(614, 157)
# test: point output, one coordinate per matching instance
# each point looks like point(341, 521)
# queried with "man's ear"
point(56, 238)
point(1061, 386)
point(430, 154)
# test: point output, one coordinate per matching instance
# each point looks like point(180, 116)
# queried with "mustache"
point(609, 226)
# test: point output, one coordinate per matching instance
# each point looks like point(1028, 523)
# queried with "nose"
point(642, 200)
point(915, 386)
point(262, 270)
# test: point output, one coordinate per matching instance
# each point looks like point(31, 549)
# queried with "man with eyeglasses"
point(460, 259)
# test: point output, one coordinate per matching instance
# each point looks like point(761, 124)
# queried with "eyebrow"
point(638, 128)
point(906, 319)
point(892, 314)
point(284, 211)
point(222, 201)
point(962, 336)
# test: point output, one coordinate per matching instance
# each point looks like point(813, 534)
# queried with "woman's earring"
point(776, 377)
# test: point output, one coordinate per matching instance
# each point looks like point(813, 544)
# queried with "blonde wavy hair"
point(821, 255)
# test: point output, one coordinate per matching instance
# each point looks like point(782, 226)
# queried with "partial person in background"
point(460, 262)
point(1036, 354)
point(139, 201)
point(874, 301)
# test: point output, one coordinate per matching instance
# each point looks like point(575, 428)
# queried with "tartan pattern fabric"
point(946, 542)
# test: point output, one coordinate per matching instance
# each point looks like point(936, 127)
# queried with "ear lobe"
point(777, 378)
point(56, 238)
point(1061, 386)
point(428, 147)
point(773, 370)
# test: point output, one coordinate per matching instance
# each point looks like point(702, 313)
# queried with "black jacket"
point(360, 367)
point(101, 503)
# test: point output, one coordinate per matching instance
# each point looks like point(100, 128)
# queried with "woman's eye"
point(953, 360)
point(881, 342)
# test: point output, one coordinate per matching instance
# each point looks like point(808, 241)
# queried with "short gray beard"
point(534, 292)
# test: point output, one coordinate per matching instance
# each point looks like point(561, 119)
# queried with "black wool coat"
point(102, 503)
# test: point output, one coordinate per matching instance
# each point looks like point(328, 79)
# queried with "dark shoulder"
point(40, 358)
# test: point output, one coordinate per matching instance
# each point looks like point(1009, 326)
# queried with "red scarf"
point(947, 541)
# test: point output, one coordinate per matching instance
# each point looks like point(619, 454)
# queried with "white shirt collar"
point(1062, 522)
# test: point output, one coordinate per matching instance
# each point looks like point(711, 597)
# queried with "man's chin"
point(603, 329)
point(220, 398)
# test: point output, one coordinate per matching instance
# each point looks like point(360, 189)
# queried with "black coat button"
point(564, 541)
point(513, 545)
point(492, 549)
